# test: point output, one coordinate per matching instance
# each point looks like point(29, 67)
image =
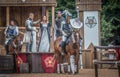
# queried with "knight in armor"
point(30, 30)
point(11, 31)
point(66, 32)
point(58, 22)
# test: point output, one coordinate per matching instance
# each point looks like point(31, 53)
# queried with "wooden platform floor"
point(82, 73)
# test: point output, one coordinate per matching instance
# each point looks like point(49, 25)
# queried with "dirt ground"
point(82, 73)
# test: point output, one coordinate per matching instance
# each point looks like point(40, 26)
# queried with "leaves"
point(67, 4)
point(110, 22)
point(62, 5)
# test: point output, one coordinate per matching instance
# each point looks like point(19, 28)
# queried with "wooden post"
point(52, 28)
point(99, 28)
point(7, 15)
point(0, 15)
point(118, 70)
point(95, 65)
point(53, 16)
point(47, 13)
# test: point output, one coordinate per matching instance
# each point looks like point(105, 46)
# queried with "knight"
point(58, 22)
point(66, 29)
point(11, 31)
point(30, 29)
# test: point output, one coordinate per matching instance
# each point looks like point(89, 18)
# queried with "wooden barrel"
point(6, 64)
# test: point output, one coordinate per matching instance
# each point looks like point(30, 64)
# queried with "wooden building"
point(20, 9)
point(86, 9)
point(88, 6)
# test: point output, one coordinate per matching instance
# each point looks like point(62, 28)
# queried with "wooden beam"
point(99, 30)
point(107, 47)
point(28, 4)
point(53, 16)
point(52, 32)
point(7, 15)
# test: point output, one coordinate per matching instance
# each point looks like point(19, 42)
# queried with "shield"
point(76, 23)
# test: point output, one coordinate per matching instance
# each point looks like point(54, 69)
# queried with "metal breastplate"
point(58, 22)
point(67, 29)
point(12, 31)
point(31, 24)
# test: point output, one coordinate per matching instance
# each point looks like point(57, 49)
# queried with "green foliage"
point(62, 5)
point(110, 22)
point(66, 4)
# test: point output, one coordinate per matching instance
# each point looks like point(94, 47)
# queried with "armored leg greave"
point(6, 48)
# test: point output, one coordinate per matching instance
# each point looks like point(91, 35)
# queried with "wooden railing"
point(21, 29)
point(2, 36)
point(96, 61)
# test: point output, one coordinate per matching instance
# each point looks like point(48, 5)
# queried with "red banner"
point(21, 58)
point(48, 64)
point(118, 53)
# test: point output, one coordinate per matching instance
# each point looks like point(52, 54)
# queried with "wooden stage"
point(82, 73)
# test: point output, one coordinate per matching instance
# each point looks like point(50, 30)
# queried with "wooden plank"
point(52, 33)
point(107, 47)
point(106, 62)
point(87, 58)
point(87, 5)
point(28, 1)
point(7, 15)
point(21, 14)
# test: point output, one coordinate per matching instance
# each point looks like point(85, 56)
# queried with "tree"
point(63, 5)
point(110, 22)
point(66, 4)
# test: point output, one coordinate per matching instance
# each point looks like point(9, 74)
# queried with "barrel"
point(7, 64)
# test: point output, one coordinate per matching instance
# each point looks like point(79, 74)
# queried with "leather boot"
point(6, 48)
point(63, 48)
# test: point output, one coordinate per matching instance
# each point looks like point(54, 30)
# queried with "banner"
point(20, 58)
point(48, 64)
point(91, 31)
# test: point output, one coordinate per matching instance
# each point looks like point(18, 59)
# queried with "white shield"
point(76, 23)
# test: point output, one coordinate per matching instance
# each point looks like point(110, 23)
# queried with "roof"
point(27, 2)
point(88, 5)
